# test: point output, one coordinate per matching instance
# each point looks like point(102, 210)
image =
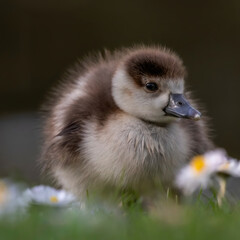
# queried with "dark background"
point(39, 40)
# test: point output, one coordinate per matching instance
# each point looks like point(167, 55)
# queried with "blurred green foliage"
point(169, 221)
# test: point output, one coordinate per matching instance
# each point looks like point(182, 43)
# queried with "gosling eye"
point(151, 86)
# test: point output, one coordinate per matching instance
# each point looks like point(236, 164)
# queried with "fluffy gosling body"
point(120, 122)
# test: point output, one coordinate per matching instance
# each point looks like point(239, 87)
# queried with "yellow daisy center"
point(53, 199)
point(198, 163)
point(3, 191)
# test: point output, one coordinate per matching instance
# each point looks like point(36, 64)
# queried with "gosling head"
point(149, 84)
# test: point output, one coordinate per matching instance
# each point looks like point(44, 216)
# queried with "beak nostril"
point(179, 103)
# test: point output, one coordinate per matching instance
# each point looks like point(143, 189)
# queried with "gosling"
point(122, 121)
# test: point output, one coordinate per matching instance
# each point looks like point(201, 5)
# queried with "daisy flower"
point(46, 195)
point(11, 200)
point(198, 173)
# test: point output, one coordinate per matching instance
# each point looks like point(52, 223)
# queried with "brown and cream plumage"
point(121, 122)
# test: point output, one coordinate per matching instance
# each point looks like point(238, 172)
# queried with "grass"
point(167, 220)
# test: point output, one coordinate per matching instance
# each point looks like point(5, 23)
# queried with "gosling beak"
point(178, 106)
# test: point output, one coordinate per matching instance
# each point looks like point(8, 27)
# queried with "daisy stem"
point(222, 189)
point(167, 193)
point(176, 199)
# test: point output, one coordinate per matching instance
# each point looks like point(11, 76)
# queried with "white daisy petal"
point(215, 158)
point(46, 195)
point(11, 200)
point(232, 167)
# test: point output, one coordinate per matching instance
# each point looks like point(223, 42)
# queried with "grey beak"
point(178, 106)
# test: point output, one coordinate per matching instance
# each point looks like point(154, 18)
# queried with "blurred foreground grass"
point(166, 221)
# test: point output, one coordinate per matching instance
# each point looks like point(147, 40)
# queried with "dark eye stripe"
point(151, 86)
